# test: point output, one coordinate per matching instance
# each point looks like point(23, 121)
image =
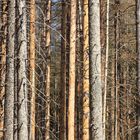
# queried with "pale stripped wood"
point(71, 107)
point(32, 68)
point(85, 72)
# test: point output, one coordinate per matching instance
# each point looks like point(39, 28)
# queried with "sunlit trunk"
point(96, 128)
point(72, 68)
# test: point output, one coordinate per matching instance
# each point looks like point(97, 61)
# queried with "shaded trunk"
point(79, 70)
point(113, 95)
point(138, 48)
point(3, 60)
point(117, 35)
point(62, 127)
point(48, 39)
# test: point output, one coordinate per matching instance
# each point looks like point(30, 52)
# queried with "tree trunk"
point(67, 65)
point(63, 74)
point(9, 89)
point(85, 72)
point(138, 48)
point(95, 71)
point(48, 39)
point(32, 68)
point(79, 71)
point(106, 70)
point(3, 60)
point(112, 94)
point(116, 24)
point(71, 107)
point(22, 72)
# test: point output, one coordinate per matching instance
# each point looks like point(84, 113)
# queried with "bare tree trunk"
point(116, 67)
point(22, 71)
point(138, 48)
point(3, 60)
point(95, 71)
point(67, 66)
point(16, 79)
point(9, 89)
point(48, 39)
point(125, 100)
point(71, 107)
point(32, 68)
point(112, 94)
point(106, 70)
point(62, 115)
point(85, 72)
point(79, 73)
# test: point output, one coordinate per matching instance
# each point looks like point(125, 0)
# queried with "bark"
point(79, 70)
point(48, 39)
point(106, 69)
point(9, 89)
point(32, 68)
point(116, 22)
point(62, 115)
point(3, 60)
point(112, 95)
point(125, 99)
point(67, 65)
point(16, 80)
point(71, 107)
point(22, 72)
point(85, 72)
point(138, 48)
point(96, 130)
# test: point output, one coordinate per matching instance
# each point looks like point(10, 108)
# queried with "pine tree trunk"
point(71, 107)
point(79, 73)
point(138, 48)
point(32, 68)
point(9, 89)
point(3, 60)
point(106, 70)
point(117, 35)
point(85, 72)
point(95, 71)
point(22, 72)
point(63, 74)
point(48, 39)
point(112, 95)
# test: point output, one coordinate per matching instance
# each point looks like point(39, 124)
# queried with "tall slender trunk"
point(3, 61)
point(48, 39)
point(95, 71)
point(32, 68)
point(128, 90)
point(125, 99)
point(9, 89)
point(22, 72)
point(79, 70)
point(138, 48)
point(106, 69)
point(67, 65)
point(116, 67)
point(112, 94)
point(62, 115)
point(85, 72)
point(71, 107)
point(16, 80)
